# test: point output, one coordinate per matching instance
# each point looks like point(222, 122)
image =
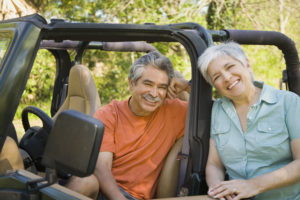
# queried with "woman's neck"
point(248, 99)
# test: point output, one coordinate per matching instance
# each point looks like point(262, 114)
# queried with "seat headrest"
point(82, 92)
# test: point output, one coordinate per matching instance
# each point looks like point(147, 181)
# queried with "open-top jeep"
point(59, 146)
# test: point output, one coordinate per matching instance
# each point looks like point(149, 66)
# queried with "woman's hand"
point(234, 189)
point(227, 197)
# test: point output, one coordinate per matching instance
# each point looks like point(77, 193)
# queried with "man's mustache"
point(150, 98)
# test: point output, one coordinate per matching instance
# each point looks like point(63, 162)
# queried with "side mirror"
point(73, 144)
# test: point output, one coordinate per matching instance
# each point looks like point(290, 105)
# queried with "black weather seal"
point(81, 48)
point(201, 30)
point(36, 19)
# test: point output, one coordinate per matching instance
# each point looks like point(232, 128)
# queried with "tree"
point(272, 15)
point(15, 8)
point(111, 79)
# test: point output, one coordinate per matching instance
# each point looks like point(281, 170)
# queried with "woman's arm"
point(284, 176)
point(215, 171)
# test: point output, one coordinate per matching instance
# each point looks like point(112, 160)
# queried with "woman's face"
point(230, 77)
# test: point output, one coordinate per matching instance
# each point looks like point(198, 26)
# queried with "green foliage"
point(111, 69)
point(39, 87)
point(40, 83)
point(267, 64)
point(222, 14)
point(110, 73)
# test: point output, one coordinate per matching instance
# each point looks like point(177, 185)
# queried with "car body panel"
point(15, 69)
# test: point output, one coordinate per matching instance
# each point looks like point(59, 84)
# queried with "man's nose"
point(154, 92)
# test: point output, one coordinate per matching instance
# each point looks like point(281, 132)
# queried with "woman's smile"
point(233, 84)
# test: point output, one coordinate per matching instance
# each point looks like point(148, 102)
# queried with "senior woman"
point(255, 131)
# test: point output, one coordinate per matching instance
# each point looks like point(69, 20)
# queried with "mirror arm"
point(33, 186)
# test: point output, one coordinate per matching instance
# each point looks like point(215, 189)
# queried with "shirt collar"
point(268, 93)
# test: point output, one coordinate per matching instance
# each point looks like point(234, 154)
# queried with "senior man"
point(139, 132)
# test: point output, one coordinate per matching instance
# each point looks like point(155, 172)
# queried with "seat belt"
point(183, 156)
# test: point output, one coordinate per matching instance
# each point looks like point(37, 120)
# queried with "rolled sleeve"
point(292, 118)
point(107, 116)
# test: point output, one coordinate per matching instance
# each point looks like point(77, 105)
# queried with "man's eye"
point(163, 87)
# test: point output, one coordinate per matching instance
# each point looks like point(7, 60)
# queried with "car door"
point(19, 43)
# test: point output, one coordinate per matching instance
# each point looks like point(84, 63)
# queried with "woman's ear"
point(248, 65)
point(250, 70)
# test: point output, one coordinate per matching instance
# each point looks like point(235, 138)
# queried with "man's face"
point(149, 92)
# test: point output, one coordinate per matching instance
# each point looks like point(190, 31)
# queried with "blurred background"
point(266, 61)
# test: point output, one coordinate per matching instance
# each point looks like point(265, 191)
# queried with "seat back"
point(168, 179)
point(10, 157)
point(82, 93)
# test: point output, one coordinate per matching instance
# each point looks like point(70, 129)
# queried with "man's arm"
point(178, 85)
point(106, 180)
point(101, 179)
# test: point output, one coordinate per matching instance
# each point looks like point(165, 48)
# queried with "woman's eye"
point(230, 66)
point(216, 77)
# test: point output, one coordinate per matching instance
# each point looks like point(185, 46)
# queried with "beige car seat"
point(10, 157)
point(168, 179)
point(82, 93)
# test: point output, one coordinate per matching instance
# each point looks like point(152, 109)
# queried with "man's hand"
point(176, 86)
point(234, 189)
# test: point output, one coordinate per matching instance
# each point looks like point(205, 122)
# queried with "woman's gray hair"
point(154, 59)
point(231, 49)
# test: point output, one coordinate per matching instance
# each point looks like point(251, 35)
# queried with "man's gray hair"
point(154, 59)
point(231, 49)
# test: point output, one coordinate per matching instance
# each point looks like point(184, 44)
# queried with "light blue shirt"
point(265, 146)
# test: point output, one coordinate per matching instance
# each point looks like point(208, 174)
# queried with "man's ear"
point(130, 83)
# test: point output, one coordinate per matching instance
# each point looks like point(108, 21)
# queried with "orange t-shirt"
point(140, 144)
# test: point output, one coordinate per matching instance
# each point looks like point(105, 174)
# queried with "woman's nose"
point(226, 75)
